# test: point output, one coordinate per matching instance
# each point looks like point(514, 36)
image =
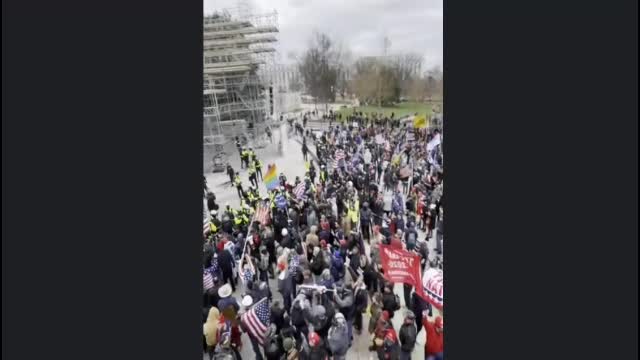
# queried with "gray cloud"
point(360, 25)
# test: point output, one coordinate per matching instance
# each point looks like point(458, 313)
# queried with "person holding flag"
point(255, 322)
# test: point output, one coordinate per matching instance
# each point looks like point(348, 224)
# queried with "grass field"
point(402, 109)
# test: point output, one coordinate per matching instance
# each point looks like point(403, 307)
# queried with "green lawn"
point(406, 108)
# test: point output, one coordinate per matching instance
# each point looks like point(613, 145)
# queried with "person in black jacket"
point(211, 201)
point(418, 305)
point(225, 260)
point(389, 301)
point(407, 336)
point(361, 302)
point(345, 302)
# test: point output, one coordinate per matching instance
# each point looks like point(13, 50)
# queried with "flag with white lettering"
point(401, 266)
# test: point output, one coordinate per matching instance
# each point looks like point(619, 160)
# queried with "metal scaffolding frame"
point(237, 44)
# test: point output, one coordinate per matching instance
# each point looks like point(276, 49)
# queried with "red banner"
point(401, 266)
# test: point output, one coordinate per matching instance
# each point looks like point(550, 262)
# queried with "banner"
point(434, 142)
point(433, 287)
point(401, 266)
point(271, 179)
point(420, 122)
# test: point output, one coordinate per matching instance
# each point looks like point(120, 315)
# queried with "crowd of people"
point(376, 180)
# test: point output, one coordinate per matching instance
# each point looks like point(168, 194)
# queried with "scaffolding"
point(236, 44)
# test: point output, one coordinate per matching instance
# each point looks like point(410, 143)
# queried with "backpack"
point(411, 240)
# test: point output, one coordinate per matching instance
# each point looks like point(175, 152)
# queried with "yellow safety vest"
point(237, 181)
point(214, 228)
point(352, 213)
point(252, 169)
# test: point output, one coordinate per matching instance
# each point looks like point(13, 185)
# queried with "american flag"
point(206, 227)
point(337, 157)
point(214, 269)
point(293, 264)
point(207, 280)
point(262, 215)
point(299, 190)
point(411, 137)
point(257, 320)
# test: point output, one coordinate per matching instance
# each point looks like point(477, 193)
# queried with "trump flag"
point(401, 266)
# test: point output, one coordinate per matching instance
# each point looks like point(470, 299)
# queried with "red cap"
point(439, 322)
point(314, 339)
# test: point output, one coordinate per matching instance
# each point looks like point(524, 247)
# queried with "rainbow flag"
point(271, 178)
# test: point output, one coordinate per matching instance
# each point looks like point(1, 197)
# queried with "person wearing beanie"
point(338, 337)
point(408, 335)
point(317, 264)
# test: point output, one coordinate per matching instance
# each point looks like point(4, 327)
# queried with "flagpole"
point(246, 240)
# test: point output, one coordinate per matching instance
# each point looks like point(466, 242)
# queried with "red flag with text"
point(402, 266)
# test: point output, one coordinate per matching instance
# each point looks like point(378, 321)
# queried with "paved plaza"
point(291, 163)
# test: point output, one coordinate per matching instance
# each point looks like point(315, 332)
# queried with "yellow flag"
point(420, 122)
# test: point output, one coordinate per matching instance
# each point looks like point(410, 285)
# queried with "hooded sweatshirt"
point(434, 343)
point(338, 340)
point(210, 328)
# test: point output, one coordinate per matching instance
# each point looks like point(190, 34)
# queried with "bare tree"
point(434, 82)
point(375, 81)
point(319, 68)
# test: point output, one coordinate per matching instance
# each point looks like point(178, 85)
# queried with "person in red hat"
point(390, 346)
point(316, 350)
point(434, 346)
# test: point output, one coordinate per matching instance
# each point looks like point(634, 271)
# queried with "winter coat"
point(312, 218)
point(225, 260)
point(434, 343)
point(210, 328)
point(389, 302)
point(345, 303)
point(361, 300)
point(338, 340)
point(376, 311)
point(317, 264)
point(408, 334)
point(312, 239)
point(337, 268)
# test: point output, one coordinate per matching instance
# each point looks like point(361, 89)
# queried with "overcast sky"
point(361, 25)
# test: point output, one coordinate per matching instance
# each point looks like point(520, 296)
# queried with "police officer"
point(252, 174)
point(324, 174)
point(215, 223)
point(312, 172)
point(244, 157)
point(238, 183)
point(258, 165)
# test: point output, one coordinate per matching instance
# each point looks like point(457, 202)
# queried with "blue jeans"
point(350, 330)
